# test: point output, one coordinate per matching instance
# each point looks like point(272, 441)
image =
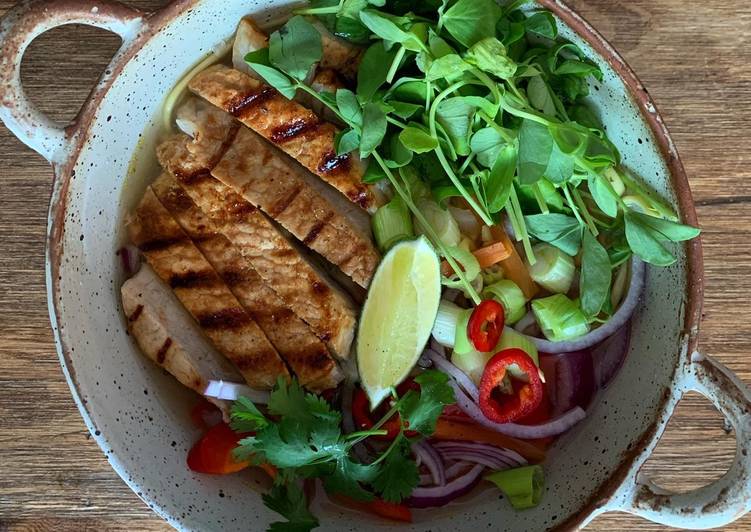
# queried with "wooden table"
point(693, 58)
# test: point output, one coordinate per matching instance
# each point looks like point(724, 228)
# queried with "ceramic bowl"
point(139, 416)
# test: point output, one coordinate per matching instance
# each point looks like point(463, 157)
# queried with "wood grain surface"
point(692, 56)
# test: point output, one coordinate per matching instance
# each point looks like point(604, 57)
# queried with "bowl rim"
point(79, 133)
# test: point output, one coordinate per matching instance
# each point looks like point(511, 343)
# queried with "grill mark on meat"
point(229, 318)
point(226, 144)
point(160, 244)
point(234, 277)
point(360, 198)
point(242, 103)
point(320, 288)
point(200, 238)
point(136, 314)
point(332, 163)
point(315, 231)
point(282, 205)
point(202, 174)
point(192, 178)
point(189, 279)
point(293, 129)
point(176, 200)
point(239, 209)
point(161, 355)
point(319, 360)
point(245, 363)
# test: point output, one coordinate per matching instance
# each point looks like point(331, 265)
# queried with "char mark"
point(242, 103)
point(176, 200)
point(315, 231)
point(234, 277)
point(136, 314)
point(333, 163)
point(293, 129)
point(319, 360)
point(320, 288)
point(283, 204)
point(193, 178)
point(159, 244)
point(229, 318)
point(161, 355)
point(194, 280)
point(226, 143)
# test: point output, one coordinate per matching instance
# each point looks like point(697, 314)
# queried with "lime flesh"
point(397, 317)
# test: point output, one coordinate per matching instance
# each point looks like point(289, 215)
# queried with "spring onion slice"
point(442, 222)
point(508, 294)
point(554, 270)
point(560, 318)
point(522, 486)
point(444, 329)
point(392, 223)
point(510, 339)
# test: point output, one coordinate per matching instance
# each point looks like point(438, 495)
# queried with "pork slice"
point(304, 352)
point(179, 263)
point(338, 54)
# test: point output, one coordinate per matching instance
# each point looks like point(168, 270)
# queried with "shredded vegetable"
point(521, 486)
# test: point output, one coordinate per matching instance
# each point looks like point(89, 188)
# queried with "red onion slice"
point(554, 427)
point(457, 376)
point(430, 497)
point(130, 256)
point(491, 462)
point(430, 458)
point(608, 357)
point(452, 471)
point(231, 391)
point(505, 454)
point(570, 380)
point(619, 319)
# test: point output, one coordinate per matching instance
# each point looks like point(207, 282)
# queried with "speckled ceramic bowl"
point(139, 416)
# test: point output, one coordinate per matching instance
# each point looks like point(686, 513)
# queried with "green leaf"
point(276, 79)
point(347, 141)
point(456, 115)
point(405, 110)
point(384, 27)
point(501, 179)
point(421, 410)
point(409, 90)
point(559, 230)
point(346, 478)
point(486, 144)
point(535, 148)
point(260, 56)
point(246, 417)
point(567, 58)
point(295, 48)
point(603, 195)
point(540, 96)
point(542, 23)
point(470, 21)
point(374, 173)
point(349, 107)
point(645, 244)
point(489, 55)
point(399, 475)
point(417, 140)
point(373, 130)
point(374, 69)
point(468, 262)
point(448, 66)
point(560, 166)
point(596, 276)
point(399, 154)
point(668, 230)
point(290, 502)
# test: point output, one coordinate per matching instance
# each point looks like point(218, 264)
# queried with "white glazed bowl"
point(139, 416)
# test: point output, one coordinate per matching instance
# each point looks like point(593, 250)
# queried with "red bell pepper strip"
point(505, 398)
point(486, 325)
point(366, 420)
point(212, 454)
point(379, 507)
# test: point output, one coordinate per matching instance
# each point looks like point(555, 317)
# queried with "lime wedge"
point(397, 317)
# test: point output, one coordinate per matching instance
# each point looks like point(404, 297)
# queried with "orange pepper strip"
point(457, 431)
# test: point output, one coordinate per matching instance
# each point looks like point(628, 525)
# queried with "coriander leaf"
point(666, 229)
point(290, 502)
point(501, 179)
point(542, 23)
point(276, 79)
point(603, 195)
point(540, 96)
point(456, 116)
point(469, 21)
point(347, 141)
point(489, 55)
point(448, 66)
point(346, 478)
point(295, 48)
point(373, 129)
point(417, 140)
point(559, 230)
point(596, 276)
point(644, 243)
point(398, 476)
point(486, 144)
point(286, 445)
point(288, 399)
point(374, 69)
point(349, 107)
point(421, 410)
point(246, 417)
point(535, 147)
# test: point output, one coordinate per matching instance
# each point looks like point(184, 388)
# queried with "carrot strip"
point(453, 430)
point(513, 266)
point(379, 507)
point(487, 256)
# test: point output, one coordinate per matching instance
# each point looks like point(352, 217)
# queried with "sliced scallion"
point(462, 343)
point(554, 269)
point(442, 222)
point(472, 363)
point(508, 294)
point(392, 224)
point(522, 486)
point(510, 339)
point(560, 318)
point(444, 329)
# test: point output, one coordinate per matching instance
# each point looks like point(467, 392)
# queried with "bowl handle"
point(723, 501)
point(18, 28)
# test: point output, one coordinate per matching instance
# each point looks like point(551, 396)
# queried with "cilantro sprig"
point(301, 436)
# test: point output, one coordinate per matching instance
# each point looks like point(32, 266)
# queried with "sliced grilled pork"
point(338, 54)
point(296, 130)
point(303, 351)
point(167, 334)
point(249, 38)
point(327, 81)
point(309, 209)
point(179, 263)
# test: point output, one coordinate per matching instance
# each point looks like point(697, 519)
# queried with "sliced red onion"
point(451, 294)
point(502, 453)
point(231, 391)
point(438, 348)
point(452, 471)
point(619, 319)
point(490, 462)
point(430, 458)
point(430, 497)
point(570, 380)
point(130, 256)
point(457, 375)
point(526, 322)
point(554, 427)
point(608, 357)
